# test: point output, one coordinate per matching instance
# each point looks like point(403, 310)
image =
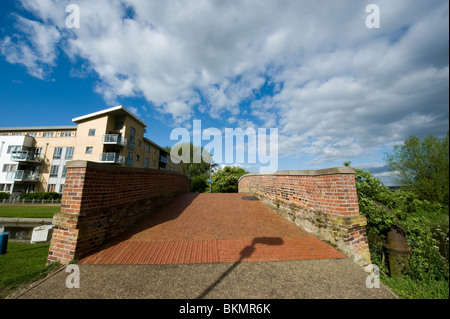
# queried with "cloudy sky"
point(335, 89)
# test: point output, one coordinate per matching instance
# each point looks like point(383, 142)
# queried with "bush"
point(198, 184)
point(47, 196)
point(4, 196)
point(226, 179)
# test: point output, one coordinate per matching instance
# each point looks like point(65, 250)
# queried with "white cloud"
point(39, 54)
point(180, 111)
point(339, 90)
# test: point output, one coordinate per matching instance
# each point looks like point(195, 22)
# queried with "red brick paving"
point(209, 228)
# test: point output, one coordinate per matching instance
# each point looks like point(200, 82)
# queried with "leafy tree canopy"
point(226, 179)
point(423, 166)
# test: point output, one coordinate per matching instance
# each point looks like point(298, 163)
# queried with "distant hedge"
point(4, 196)
point(41, 196)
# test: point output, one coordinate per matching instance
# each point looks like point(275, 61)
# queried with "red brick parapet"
point(101, 201)
point(323, 202)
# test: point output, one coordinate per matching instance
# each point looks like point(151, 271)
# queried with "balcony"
point(163, 159)
point(114, 139)
point(112, 158)
point(23, 176)
point(26, 156)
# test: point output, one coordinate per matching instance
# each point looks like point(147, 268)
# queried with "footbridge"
point(129, 216)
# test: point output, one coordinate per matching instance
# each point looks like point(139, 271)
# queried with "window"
point(66, 134)
point(2, 187)
point(92, 132)
point(139, 142)
point(7, 187)
point(131, 139)
point(69, 153)
point(57, 153)
point(38, 151)
point(54, 171)
point(61, 188)
point(129, 158)
point(154, 150)
point(32, 134)
point(89, 150)
point(9, 167)
point(64, 172)
point(51, 187)
point(147, 148)
point(146, 163)
point(153, 163)
point(48, 134)
point(13, 148)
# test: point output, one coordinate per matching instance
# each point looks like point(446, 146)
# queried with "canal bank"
point(21, 229)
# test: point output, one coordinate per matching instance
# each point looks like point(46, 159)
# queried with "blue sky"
point(336, 90)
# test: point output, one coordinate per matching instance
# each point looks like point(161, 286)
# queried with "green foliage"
point(423, 166)
point(372, 193)
point(198, 184)
point(47, 196)
point(4, 196)
point(192, 168)
point(426, 227)
point(198, 173)
point(226, 179)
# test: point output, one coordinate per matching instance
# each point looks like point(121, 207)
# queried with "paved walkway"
point(209, 228)
point(300, 279)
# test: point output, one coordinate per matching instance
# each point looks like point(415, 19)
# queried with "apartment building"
point(33, 159)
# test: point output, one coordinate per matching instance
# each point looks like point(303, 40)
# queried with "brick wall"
point(100, 201)
point(323, 202)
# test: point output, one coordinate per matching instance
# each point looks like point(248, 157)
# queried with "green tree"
point(226, 179)
point(198, 173)
point(423, 166)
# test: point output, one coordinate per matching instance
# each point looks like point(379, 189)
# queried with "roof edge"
point(106, 111)
point(36, 128)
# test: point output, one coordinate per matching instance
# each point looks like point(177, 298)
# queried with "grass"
point(22, 264)
point(407, 288)
point(22, 211)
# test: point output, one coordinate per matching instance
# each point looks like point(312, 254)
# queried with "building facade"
point(33, 159)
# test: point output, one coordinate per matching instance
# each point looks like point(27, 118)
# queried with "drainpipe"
point(1, 149)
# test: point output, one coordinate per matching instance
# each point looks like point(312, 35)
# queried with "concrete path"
point(304, 279)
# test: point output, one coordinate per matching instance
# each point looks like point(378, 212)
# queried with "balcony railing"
point(115, 139)
point(112, 158)
point(25, 156)
point(23, 176)
point(163, 159)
